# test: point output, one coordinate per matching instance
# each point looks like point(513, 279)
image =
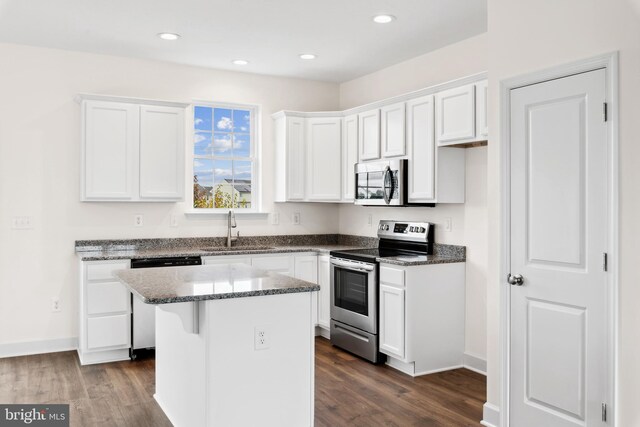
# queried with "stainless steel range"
point(355, 287)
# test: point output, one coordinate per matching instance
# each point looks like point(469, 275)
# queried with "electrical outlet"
point(261, 338)
point(447, 224)
point(275, 218)
point(370, 220)
point(21, 223)
point(138, 220)
point(173, 221)
point(55, 304)
point(296, 218)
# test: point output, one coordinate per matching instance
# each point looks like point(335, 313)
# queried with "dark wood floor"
point(349, 391)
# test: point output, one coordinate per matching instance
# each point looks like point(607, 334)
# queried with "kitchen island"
point(234, 344)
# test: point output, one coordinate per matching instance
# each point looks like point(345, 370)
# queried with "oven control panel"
point(408, 231)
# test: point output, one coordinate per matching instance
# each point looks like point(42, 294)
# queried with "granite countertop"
point(101, 250)
point(201, 283)
point(114, 254)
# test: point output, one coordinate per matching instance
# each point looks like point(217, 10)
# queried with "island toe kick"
point(237, 361)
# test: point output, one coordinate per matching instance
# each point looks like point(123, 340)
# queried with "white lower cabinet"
point(283, 264)
point(422, 317)
point(105, 313)
point(392, 330)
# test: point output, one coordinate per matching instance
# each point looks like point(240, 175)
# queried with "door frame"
point(608, 62)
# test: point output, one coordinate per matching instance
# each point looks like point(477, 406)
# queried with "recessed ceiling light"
point(240, 62)
point(169, 36)
point(383, 19)
point(307, 56)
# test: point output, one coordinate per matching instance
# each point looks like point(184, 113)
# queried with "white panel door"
point(369, 135)
point(392, 327)
point(295, 159)
point(279, 264)
point(324, 298)
point(161, 152)
point(455, 115)
point(421, 141)
point(324, 149)
point(110, 150)
point(559, 333)
point(392, 130)
point(349, 157)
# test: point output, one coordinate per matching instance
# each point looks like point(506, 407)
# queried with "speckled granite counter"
point(100, 250)
point(207, 282)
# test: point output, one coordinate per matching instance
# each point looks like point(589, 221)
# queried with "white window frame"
point(255, 156)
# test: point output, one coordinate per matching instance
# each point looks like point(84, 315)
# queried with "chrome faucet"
point(231, 223)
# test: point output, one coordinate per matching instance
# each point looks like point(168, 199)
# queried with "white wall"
point(469, 220)
point(39, 171)
point(526, 36)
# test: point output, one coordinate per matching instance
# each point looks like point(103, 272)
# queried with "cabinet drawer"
point(279, 264)
point(226, 260)
point(108, 331)
point(392, 276)
point(104, 271)
point(107, 297)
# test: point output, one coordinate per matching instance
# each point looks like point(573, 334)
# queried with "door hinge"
point(604, 412)
point(605, 111)
point(605, 261)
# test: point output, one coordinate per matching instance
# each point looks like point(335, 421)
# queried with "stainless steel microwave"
point(383, 183)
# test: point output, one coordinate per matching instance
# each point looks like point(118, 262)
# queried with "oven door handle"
point(353, 266)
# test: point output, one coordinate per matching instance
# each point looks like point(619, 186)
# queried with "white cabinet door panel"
point(107, 297)
point(161, 152)
point(324, 169)
point(222, 259)
point(422, 150)
point(369, 135)
point(455, 115)
point(110, 150)
point(108, 331)
point(295, 159)
point(392, 127)
point(392, 327)
point(349, 157)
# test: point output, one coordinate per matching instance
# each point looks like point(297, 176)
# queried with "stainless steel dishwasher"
point(143, 316)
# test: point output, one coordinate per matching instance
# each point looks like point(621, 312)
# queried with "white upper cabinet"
point(110, 135)
point(349, 157)
point(455, 115)
point(161, 152)
point(461, 114)
point(369, 135)
point(392, 128)
point(482, 119)
point(421, 142)
point(324, 150)
point(290, 158)
point(132, 150)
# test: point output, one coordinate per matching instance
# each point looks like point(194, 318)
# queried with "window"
point(224, 157)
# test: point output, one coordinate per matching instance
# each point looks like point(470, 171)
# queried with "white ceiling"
point(268, 33)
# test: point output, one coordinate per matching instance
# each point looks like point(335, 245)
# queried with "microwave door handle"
point(387, 178)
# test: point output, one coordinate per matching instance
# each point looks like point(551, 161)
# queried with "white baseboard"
point(38, 347)
point(475, 363)
point(322, 332)
point(490, 415)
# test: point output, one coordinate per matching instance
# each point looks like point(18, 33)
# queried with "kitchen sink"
point(236, 248)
